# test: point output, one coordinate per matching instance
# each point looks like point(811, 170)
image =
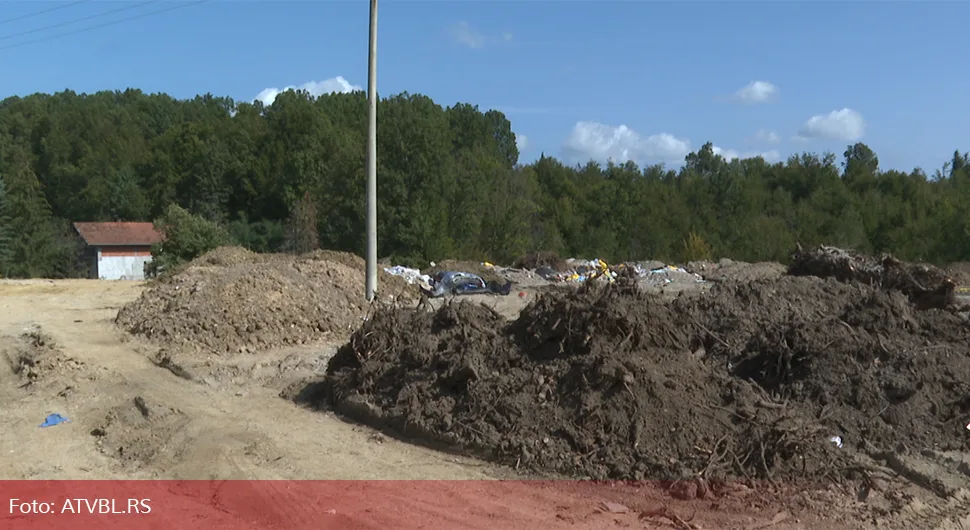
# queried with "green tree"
point(6, 233)
point(696, 249)
point(33, 247)
point(187, 236)
point(302, 235)
point(258, 236)
point(450, 185)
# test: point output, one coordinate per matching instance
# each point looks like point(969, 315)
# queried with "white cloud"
point(731, 154)
point(757, 92)
point(522, 142)
point(766, 137)
point(591, 140)
point(464, 34)
point(845, 125)
point(315, 88)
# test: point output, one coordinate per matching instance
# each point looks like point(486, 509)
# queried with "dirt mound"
point(388, 284)
point(600, 382)
point(876, 370)
point(537, 260)
point(248, 302)
point(739, 271)
point(620, 319)
point(36, 357)
point(344, 258)
point(926, 285)
point(788, 376)
point(218, 257)
point(234, 256)
point(136, 432)
point(960, 272)
point(227, 257)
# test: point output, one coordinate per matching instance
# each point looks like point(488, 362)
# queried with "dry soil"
point(223, 418)
point(171, 410)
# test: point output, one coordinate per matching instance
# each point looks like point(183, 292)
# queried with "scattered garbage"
point(669, 274)
point(590, 270)
point(568, 271)
point(412, 276)
point(54, 419)
point(550, 275)
point(599, 269)
point(458, 283)
point(837, 440)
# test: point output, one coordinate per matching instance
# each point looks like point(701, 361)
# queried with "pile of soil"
point(344, 258)
point(526, 279)
point(388, 285)
point(874, 368)
point(746, 380)
point(35, 356)
point(600, 382)
point(226, 257)
point(232, 300)
point(738, 271)
point(960, 272)
point(926, 286)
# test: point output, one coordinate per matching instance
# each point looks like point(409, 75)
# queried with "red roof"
point(118, 234)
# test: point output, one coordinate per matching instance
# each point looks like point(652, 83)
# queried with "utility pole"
point(372, 157)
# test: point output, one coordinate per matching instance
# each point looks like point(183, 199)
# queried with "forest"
point(450, 185)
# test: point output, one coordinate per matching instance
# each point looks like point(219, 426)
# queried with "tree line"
point(291, 175)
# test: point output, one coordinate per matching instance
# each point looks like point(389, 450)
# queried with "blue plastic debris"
point(54, 419)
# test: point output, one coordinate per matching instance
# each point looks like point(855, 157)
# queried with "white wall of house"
point(122, 267)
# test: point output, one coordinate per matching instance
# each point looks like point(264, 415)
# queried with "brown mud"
point(599, 383)
point(746, 381)
point(927, 286)
point(871, 367)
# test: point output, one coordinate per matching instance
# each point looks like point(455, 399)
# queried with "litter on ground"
point(54, 419)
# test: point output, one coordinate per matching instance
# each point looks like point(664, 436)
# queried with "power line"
point(106, 24)
point(41, 12)
point(75, 21)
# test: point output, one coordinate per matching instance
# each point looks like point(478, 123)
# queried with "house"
point(118, 251)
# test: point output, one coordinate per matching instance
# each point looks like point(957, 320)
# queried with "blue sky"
point(642, 80)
